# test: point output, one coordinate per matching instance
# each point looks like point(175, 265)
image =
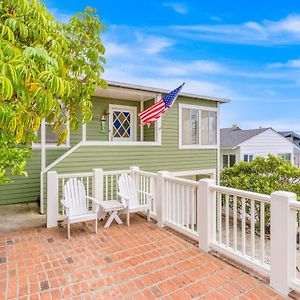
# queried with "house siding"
point(265, 143)
point(168, 156)
point(27, 189)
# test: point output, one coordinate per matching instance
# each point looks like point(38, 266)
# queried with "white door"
point(122, 123)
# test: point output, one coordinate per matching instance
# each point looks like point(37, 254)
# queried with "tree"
point(48, 70)
point(262, 175)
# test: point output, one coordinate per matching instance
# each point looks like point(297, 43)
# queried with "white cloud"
point(267, 33)
point(180, 8)
point(154, 44)
point(293, 63)
point(198, 66)
point(216, 19)
point(60, 16)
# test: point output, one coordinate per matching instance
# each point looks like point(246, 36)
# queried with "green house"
point(185, 141)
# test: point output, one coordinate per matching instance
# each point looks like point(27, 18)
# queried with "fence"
point(256, 230)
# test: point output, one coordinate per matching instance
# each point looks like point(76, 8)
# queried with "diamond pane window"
point(121, 124)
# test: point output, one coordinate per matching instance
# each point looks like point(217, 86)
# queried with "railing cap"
point(284, 194)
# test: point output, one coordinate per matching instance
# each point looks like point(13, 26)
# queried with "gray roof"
point(164, 91)
point(292, 134)
point(232, 137)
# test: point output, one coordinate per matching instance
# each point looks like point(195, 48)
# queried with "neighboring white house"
point(295, 138)
point(244, 145)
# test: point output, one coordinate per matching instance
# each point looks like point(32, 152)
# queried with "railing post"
point(98, 184)
point(52, 199)
point(205, 213)
point(283, 241)
point(160, 195)
point(135, 177)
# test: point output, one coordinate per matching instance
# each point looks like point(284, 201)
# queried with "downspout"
point(218, 144)
point(43, 164)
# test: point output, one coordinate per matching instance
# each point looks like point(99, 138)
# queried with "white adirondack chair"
point(76, 204)
point(129, 195)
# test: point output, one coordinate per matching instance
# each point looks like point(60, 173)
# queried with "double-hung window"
point(285, 156)
point(248, 157)
point(198, 126)
point(52, 137)
point(229, 160)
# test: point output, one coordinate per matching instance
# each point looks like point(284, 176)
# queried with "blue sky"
point(247, 51)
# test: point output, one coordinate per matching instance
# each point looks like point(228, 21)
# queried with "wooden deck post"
point(160, 194)
point(52, 199)
point(283, 241)
point(205, 213)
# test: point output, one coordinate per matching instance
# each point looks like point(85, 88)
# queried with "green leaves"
point(48, 70)
point(263, 176)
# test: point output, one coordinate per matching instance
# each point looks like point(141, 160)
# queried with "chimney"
point(235, 127)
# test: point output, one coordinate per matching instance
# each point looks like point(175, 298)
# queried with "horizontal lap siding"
point(265, 143)
point(27, 189)
point(149, 158)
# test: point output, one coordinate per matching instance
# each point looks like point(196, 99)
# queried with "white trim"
point(141, 127)
point(119, 143)
point(62, 157)
point(133, 122)
point(65, 145)
point(83, 129)
point(158, 124)
point(163, 91)
point(218, 144)
point(195, 172)
point(43, 145)
point(200, 109)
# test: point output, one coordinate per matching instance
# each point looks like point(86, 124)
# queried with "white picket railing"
point(110, 184)
point(256, 230)
point(146, 182)
point(239, 228)
point(180, 205)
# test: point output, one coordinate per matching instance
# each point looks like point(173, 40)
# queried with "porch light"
point(103, 124)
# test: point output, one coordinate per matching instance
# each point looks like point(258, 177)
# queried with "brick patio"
point(136, 262)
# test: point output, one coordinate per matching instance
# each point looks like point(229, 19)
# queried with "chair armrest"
point(96, 202)
point(146, 193)
point(122, 196)
point(93, 199)
point(65, 204)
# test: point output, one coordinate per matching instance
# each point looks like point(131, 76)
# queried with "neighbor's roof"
point(163, 91)
point(232, 137)
point(290, 134)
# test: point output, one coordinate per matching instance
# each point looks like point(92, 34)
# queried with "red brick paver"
point(137, 262)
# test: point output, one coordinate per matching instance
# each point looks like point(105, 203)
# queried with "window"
point(51, 137)
point(248, 157)
point(190, 126)
point(229, 160)
point(198, 126)
point(122, 123)
point(285, 156)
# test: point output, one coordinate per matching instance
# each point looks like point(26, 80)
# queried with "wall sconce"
point(103, 124)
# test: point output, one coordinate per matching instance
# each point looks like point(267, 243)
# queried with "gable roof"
point(163, 91)
point(232, 137)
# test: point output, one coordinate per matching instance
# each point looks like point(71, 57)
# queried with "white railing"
point(240, 227)
point(110, 184)
point(256, 230)
point(146, 182)
point(180, 205)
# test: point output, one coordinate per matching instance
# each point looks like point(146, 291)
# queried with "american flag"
point(154, 112)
